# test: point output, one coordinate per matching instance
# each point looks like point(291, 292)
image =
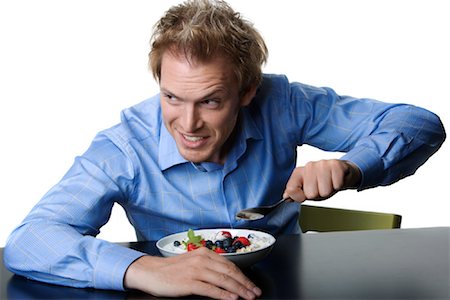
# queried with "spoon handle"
point(279, 202)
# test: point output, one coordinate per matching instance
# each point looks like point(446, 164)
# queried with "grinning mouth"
point(193, 138)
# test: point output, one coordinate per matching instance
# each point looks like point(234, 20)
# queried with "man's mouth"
point(191, 138)
point(193, 141)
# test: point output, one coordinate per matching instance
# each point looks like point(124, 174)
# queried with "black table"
point(378, 264)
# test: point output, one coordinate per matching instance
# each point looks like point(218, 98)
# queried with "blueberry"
point(227, 242)
point(176, 243)
point(209, 244)
point(238, 245)
point(219, 244)
point(230, 249)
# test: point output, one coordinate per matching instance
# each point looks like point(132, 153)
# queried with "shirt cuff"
point(112, 265)
point(370, 164)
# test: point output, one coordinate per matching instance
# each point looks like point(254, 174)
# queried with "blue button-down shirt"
point(137, 165)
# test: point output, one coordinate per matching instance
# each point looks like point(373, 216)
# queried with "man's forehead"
point(176, 70)
point(188, 59)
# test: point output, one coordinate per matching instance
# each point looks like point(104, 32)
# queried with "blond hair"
point(203, 29)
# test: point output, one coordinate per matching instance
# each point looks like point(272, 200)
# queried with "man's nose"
point(191, 119)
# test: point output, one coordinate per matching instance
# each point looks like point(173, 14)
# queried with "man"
point(219, 137)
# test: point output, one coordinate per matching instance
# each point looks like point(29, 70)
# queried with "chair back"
point(324, 219)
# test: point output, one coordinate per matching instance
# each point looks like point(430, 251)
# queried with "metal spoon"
point(259, 212)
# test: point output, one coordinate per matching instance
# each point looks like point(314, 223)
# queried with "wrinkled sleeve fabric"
point(386, 141)
point(56, 242)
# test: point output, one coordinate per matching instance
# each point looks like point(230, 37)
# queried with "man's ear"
point(248, 96)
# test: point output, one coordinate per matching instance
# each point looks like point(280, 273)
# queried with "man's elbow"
point(439, 134)
point(15, 257)
point(10, 257)
point(431, 129)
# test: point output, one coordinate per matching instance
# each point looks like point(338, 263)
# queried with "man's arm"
point(401, 139)
point(56, 242)
point(383, 142)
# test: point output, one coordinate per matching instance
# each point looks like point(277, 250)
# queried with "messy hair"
point(204, 29)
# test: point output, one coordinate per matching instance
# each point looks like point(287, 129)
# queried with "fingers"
point(222, 277)
point(294, 186)
point(206, 273)
point(320, 180)
point(204, 289)
point(219, 281)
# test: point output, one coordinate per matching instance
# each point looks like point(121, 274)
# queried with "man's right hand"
point(199, 272)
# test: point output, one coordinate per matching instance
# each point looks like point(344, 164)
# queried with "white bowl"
point(242, 259)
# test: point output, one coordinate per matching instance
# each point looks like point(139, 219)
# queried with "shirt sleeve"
point(386, 141)
point(56, 242)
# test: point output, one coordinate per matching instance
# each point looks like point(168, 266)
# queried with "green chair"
point(324, 219)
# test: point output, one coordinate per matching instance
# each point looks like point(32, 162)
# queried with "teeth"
point(193, 138)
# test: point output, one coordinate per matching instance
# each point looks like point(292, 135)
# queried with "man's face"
point(200, 104)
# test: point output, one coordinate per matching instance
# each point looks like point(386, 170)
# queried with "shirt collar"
point(168, 155)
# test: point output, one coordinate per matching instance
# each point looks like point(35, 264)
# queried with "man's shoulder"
point(145, 115)
point(140, 121)
point(273, 90)
point(280, 87)
point(278, 80)
point(144, 108)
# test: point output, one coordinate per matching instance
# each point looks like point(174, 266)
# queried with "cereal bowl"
point(261, 244)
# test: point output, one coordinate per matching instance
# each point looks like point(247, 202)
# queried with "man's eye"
point(211, 103)
point(170, 98)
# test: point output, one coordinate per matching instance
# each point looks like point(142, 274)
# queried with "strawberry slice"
point(219, 250)
point(226, 234)
point(244, 241)
point(191, 247)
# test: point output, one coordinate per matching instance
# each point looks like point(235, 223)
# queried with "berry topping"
point(243, 240)
point(226, 234)
point(191, 247)
point(219, 250)
point(220, 242)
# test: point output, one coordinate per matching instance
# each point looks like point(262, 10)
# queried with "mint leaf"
point(193, 239)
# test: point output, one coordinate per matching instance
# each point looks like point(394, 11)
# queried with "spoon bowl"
point(259, 212)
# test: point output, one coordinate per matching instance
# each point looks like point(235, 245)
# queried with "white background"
point(67, 69)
